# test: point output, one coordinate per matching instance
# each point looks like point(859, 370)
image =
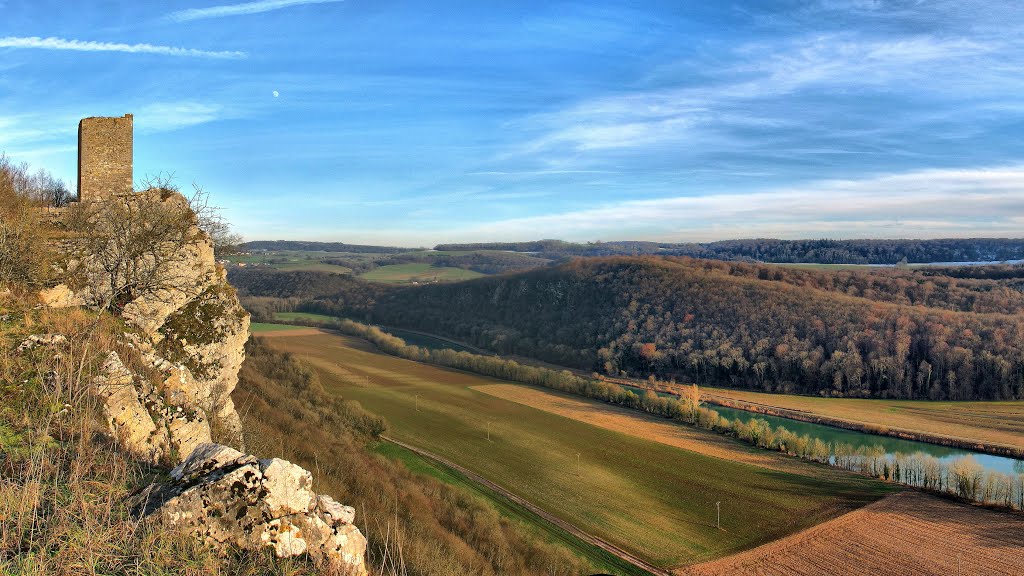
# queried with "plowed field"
point(906, 534)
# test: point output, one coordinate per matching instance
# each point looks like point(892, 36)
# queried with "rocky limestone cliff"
point(143, 257)
point(185, 320)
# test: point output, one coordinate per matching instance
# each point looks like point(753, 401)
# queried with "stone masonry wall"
point(104, 157)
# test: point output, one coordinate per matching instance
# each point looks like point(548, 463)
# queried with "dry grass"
point(64, 485)
point(907, 533)
point(987, 422)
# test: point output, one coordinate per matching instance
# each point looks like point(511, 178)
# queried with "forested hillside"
point(484, 262)
point(763, 328)
point(298, 284)
point(782, 251)
point(872, 333)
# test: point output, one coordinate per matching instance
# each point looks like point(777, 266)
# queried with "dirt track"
point(611, 548)
point(909, 533)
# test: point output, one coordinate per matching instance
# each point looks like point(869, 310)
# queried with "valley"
point(603, 288)
point(630, 501)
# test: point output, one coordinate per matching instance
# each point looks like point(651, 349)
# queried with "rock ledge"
point(233, 499)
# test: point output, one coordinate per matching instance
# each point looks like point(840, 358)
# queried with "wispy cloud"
point(940, 203)
point(239, 9)
point(165, 116)
point(52, 43)
point(733, 97)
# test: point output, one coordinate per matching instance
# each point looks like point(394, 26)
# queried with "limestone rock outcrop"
point(185, 319)
point(233, 499)
point(60, 296)
point(35, 340)
point(145, 419)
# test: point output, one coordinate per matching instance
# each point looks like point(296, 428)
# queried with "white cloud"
point(982, 202)
point(239, 9)
point(928, 203)
point(52, 43)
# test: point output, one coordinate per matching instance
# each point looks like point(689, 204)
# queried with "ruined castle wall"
point(104, 156)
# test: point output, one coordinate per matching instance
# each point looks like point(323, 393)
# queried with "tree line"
point(812, 251)
point(303, 246)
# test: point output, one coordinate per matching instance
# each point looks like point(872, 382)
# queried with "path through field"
point(571, 528)
point(910, 533)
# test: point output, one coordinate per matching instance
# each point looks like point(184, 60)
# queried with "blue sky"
point(414, 123)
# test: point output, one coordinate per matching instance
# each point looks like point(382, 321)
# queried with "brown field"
point(908, 533)
point(1000, 423)
point(644, 426)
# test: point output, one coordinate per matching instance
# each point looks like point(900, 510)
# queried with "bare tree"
point(211, 220)
point(692, 400)
point(139, 244)
point(209, 217)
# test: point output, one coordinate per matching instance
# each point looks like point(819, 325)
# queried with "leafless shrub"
point(24, 256)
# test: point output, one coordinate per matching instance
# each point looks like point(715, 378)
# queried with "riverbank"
point(716, 398)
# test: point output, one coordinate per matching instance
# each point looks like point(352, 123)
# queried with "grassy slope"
point(654, 500)
point(419, 272)
point(507, 508)
point(996, 422)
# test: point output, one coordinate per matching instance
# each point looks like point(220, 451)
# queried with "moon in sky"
point(276, 94)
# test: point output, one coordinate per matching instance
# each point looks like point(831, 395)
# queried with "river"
point(833, 436)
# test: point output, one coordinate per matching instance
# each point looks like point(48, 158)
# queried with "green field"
point(261, 327)
point(305, 316)
point(312, 266)
point(292, 260)
point(418, 272)
point(655, 500)
point(988, 422)
point(508, 509)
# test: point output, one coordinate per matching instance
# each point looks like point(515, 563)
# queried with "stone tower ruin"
point(104, 157)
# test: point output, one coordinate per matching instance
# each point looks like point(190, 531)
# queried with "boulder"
point(233, 499)
point(60, 296)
